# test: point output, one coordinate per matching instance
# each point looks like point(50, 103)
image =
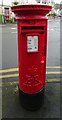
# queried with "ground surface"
point(13, 109)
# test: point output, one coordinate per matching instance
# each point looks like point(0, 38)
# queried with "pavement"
point(11, 107)
point(9, 98)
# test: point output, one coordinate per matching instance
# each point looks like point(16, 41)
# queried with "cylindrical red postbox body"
point(32, 43)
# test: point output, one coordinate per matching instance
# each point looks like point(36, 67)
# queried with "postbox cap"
point(31, 10)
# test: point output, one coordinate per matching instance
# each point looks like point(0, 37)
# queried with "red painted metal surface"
point(32, 26)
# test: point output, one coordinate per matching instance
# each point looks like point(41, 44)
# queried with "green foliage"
point(52, 14)
point(15, 3)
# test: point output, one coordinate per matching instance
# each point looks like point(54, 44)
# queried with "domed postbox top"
point(31, 10)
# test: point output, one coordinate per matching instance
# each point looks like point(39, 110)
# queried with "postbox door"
point(32, 56)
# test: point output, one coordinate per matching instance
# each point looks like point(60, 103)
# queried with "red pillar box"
point(32, 43)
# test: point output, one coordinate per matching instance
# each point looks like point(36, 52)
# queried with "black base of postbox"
point(32, 101)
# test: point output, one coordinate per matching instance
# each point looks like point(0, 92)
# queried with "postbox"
point(32, 44)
